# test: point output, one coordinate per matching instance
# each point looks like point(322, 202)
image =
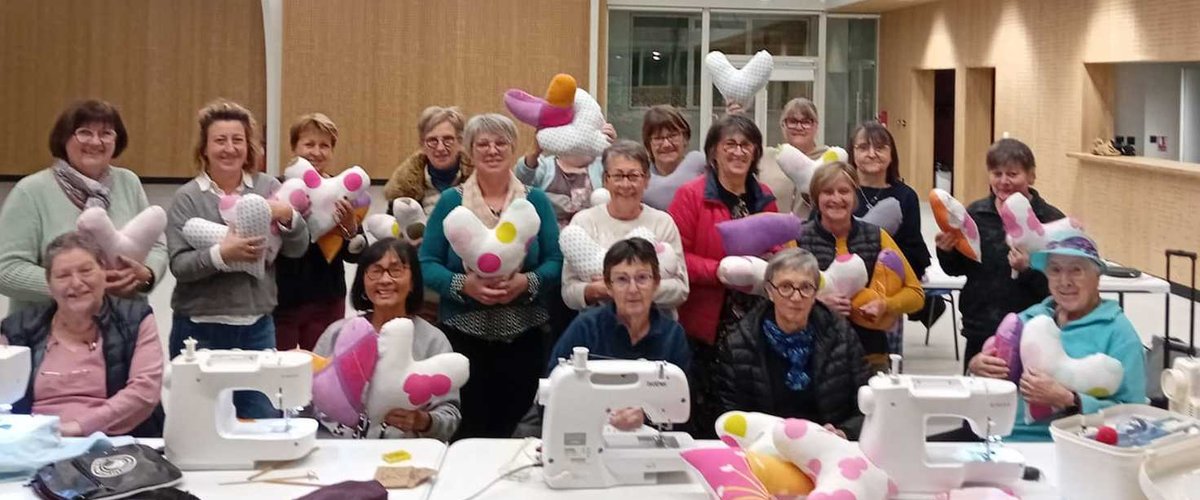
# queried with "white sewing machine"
point(14, 375)
point(1181, 386)
point(202, 431)
point(580, 449)
point(893, 436)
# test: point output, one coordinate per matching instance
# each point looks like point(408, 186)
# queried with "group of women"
point(793, 352)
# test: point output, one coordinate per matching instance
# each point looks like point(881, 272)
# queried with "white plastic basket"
point(1173, 472)
point(1091, 470)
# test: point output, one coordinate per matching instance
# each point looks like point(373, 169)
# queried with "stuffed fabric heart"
point(554, 110)
point(338, 390)
point(249, 216)
point(751, 433)
point(582, 136)
point(134, 241)
point(599, 197)
point(1023, 229)
point(407, 223)
point(887, 280)
point(1007, 341)
point(742, 273)
point(323, 193)
point(952, 218)
point(725, 473)
point(1098, 374)
point(886, 214)
point(587, 257)
point(739, 85)
point(404, 383)
point(839, 467)
point(799, 168)
point(662, 189)
point(493, 252)
point(759, 233)
point(846, 275)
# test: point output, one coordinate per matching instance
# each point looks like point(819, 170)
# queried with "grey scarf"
point(82, 190)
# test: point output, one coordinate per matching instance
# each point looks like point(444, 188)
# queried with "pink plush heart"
point(836, 495)
point(421, 388)
point(795, 428)
point(814, 466)
point(1035, 224)
point(1009, 219)
point(852, 468)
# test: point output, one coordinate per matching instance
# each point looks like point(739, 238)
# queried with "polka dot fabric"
point(493, 252)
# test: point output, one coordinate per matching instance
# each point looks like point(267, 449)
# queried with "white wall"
point(1190, 119)
point(1148, 103)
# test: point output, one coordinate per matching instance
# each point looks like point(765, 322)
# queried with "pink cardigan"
point(71, 384)
point(697, 208)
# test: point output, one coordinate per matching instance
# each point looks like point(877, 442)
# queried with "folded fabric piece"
point(31, 442)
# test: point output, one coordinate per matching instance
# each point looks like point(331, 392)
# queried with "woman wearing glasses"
point(791, 356)
point(728, 190)
point(629, 326)
point(85, 139)
point(388, 285)
point(439, 165)
point(626, 174)
point(666, 134)
point(834, 231)
point(799, 123)
point(497, 323)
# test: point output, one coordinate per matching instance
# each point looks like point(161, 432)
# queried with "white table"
point(937, 279)
point(472, 463)
point(334, 461)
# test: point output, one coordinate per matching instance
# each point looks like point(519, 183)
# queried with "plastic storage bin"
point(1091, 470)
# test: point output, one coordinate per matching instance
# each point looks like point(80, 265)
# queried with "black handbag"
point(119, 472)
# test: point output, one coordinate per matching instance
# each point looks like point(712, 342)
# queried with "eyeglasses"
point(662, 139)
point(1061, 273)
point(626, 176)
point(731, 146)
point(799, 124)
point(377, 272)
point(642, 281)
point(106, 136)
point(787, 290)
point(446, 142)
point(500, 145)
point(866, 147)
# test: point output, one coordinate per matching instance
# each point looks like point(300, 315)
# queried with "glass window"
point(734, 33)
point(850, 69)
point(778, 94)
point(653, 58)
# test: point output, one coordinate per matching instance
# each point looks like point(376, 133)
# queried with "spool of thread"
point(1107, 435)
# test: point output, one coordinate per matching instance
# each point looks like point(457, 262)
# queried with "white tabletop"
point(471, 464)
point(334, 461)
point(937, 279)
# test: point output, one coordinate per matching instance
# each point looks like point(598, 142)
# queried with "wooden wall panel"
point(1043, 96)
point(373, 65)
point(158, 61)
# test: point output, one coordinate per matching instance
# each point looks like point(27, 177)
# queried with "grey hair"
point(490, 123)
point(794, 259)
point(628, 149)
point(72, 241)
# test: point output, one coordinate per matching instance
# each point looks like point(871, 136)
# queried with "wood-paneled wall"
point(374, 65)
point(1046, 96)
point(158, 61)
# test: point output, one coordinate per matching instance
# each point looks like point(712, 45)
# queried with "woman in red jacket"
point(728, 190)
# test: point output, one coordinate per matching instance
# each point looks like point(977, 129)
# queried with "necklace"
point(871, 200)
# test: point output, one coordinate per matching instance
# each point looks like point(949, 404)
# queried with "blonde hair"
point(316, 122)
point(801, 106)
point(828, 174)
point(225, 110)
point(436, 115)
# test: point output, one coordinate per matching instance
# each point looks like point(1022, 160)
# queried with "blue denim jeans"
point(260, 335)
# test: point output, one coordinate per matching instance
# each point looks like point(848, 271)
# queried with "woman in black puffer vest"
point(790, 356)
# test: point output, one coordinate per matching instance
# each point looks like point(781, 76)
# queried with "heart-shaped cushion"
point(251, 218)
point(402, 382)
point(886, 214)
point(133, 241)
point(582, 137)
point(839, 468)
point(493, 252)
point(662, 188)
point(554, 110)
point(739, 85)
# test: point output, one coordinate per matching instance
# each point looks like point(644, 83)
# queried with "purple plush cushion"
point(758, 234)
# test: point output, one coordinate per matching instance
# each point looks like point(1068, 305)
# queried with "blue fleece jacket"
point(1104, 330)
point(600, 330)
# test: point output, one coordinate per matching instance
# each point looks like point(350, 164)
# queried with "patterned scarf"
point(82, 190)
point(796, 348)
point(472, 198)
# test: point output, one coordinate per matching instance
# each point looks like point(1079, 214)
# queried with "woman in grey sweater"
point(388, 285)
point(219, 307)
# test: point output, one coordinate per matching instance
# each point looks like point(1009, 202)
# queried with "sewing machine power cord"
point(522, 451)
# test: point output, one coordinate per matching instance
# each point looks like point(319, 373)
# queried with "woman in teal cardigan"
point(1089, 325)
point(85, 139)
point(497, 323)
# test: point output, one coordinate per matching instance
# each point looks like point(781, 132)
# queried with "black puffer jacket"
point(744, 382)
point(991, 292)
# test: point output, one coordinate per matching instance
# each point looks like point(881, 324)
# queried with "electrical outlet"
point(1154, 139)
